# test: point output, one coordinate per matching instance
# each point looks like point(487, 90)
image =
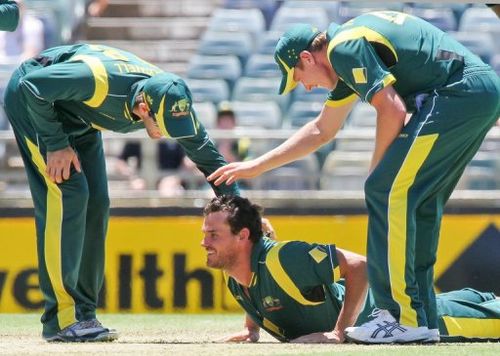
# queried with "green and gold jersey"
point(9, 15)
point(71, 90)
point(81, 87)
point(381, 48)
point(292, 281)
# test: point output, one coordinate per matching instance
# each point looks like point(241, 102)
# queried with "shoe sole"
point(390, 341)
point(108, 336)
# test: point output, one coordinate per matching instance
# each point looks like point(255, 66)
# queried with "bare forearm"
point(391, 115)
point(355, 296)
point(388, 128)
point(353, 270)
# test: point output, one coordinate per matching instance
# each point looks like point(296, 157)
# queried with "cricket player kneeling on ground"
point(312, 293)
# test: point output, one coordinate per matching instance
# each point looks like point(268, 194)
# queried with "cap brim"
point(287, 82)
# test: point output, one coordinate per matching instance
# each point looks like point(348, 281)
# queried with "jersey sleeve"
point(202, 151)
point(68, 81)
point(360, 68)
point(341, 95)
point(305, 264)
point(9, 15)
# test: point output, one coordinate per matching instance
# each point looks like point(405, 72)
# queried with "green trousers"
point(463, 315)
point(407, 191)
point(71, 218)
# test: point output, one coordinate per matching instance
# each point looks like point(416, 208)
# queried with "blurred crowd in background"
point(224, 49)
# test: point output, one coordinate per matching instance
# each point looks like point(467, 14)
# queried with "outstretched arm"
point(353, 270)
point(306, 140)
point(250, 333)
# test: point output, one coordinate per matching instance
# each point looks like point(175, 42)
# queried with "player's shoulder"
point(290, 251)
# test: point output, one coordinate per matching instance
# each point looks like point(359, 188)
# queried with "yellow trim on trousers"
point(52, 242)
point(397, 232)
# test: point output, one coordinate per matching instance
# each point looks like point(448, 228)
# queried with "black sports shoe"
point(84, 331)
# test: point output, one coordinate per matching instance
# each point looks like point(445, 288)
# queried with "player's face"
point(151, 127)
point(219, 242)
point(312, 74)
point(149, 121)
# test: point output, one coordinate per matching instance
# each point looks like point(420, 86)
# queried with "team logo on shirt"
point(180, 107)
point(271, 304)
point(360, 75)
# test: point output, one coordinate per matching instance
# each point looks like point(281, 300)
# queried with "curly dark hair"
point(241, 213)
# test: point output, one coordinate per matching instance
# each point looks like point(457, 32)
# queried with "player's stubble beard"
point(224, 260)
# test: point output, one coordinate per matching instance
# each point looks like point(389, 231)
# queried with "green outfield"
point(167, 334)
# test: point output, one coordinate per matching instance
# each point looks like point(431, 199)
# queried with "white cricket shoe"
point(433, 336)
point(384, 329)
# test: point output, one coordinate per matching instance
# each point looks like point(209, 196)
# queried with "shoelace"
point(375, 312)
point(93, 323)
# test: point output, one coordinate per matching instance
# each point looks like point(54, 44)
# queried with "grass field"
point(167, 334)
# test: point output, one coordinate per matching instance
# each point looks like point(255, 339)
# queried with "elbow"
point(322, 136)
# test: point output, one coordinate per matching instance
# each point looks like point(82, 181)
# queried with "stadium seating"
point(363, 115)
point(479, 18)
point(482, 173)
point(261, 66)
point(316, 94)
point(351, 9)
point(301, 112)
point(206, 112)
point(345, 170)
point(268, 7)
point(213, 90)
point(238, 20)
point(265, 114)
point(331, 7)
point(258, 90)
point(495, 63)
point(239, 44)
point(215, 67)
point(299, 175)
point(442, 18)
point(267, 42)
point(456, 8)
point(287, 16)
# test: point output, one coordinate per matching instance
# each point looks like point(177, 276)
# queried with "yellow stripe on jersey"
point(276, 270)
point(472, 327)
point(398, 204)
point(268, 324)
point(336, 273)
point(100, 79)
point(388, 80)
point(97, 127)
point(341, 102)
point(317, 254)
point(358, 32)
point(360, 75)
point(52, 242)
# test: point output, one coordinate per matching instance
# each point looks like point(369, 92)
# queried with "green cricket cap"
point(295, 40)
point(170, 101)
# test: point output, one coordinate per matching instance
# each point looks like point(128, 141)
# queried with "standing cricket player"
point(9, 15)
point(58, 104)
point(399, 64)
